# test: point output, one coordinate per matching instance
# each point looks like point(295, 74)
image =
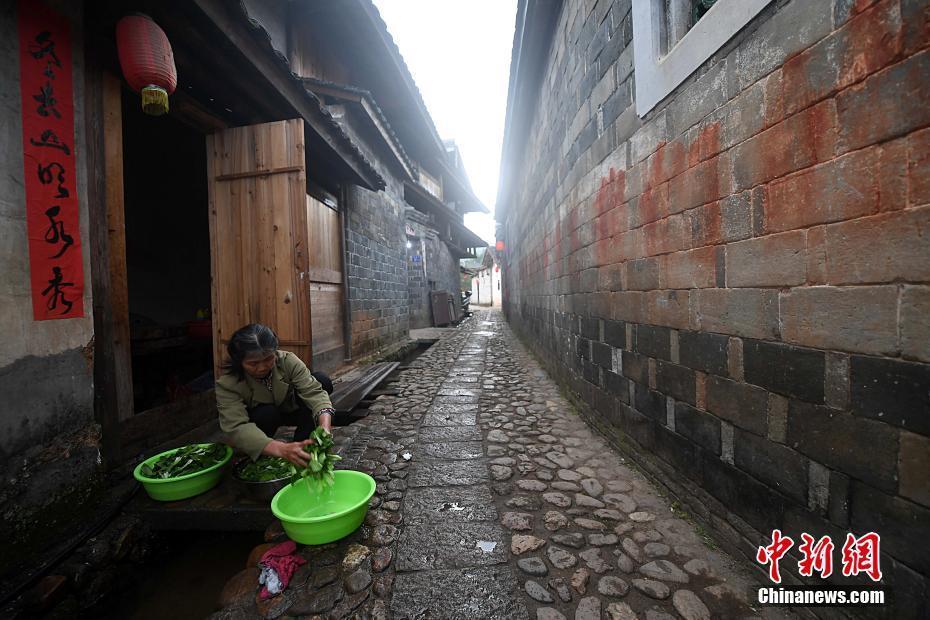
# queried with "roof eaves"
point(369, 8)
point(372, 11)
point(466, 189)
point(533, 31)
point(469, 236)
point(338, 131)
point(365, 94)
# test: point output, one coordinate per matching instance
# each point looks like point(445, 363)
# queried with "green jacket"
point(234, 397)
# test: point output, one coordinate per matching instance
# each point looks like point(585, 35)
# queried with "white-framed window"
point(672, 38)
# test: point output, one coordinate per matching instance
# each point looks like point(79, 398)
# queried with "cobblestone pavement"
point(494, 500)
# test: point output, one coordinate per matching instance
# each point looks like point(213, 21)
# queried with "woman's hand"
point(326, 421)
point(290, 451)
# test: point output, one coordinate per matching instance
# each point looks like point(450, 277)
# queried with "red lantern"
point(147, 61)
point(499, 246)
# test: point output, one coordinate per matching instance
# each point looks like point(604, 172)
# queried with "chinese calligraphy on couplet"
point(55, 262)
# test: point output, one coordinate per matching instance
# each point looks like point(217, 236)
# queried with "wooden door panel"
point(290, 247)
point(326, 300)
point(324, 238)
point(325, 264)
point(258, 233)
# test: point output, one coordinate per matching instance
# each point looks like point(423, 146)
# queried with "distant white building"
point(485, 274)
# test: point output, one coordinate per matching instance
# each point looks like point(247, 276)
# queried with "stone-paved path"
point(494, 500)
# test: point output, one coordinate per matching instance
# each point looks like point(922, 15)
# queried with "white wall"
point(485, 288)
point(23, 336)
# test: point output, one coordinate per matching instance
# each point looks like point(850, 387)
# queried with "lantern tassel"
point(154, 100)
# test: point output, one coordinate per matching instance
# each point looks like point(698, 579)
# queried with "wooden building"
point(293, 182)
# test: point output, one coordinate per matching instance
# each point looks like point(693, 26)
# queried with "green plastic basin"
point(331, 515)
point(182, 487)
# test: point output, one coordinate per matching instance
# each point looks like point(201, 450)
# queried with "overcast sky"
point(459, 54)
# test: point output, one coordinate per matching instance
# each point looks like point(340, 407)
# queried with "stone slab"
point(438, 546)
point(450, 419)
point(437, 434)
point(454, 451)
point(453, 408)
point(455, 400)
point(489, 592)
point(461, 378)
point(436, 473)
point(457, 391)
point(449, 505)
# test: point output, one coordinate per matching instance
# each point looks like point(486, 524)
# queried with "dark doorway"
point(167, 257)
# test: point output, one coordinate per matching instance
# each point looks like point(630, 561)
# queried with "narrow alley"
point(427, 309)
point(509, 507)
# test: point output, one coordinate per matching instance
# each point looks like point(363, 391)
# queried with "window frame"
point(658, 73)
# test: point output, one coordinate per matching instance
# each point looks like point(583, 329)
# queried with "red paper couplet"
point(52, 221)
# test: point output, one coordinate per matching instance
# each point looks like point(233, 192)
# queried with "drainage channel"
point(386, 387)
point(182, 578)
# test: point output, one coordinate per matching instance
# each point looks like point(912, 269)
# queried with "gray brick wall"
point(736, 285)
point(430, 267)
point(376, 261)
point(388, 289)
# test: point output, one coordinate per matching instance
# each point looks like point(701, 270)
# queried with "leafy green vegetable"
point(187, 460)
point(266, 468)
point(319, 471)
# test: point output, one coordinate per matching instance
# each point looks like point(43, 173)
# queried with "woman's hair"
point(251, 339)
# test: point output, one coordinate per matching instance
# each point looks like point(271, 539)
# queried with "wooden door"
point(258, 232)
point(324, 233)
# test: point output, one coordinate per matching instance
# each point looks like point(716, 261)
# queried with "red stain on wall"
point(705, 225)
point(611, 214)
point(874, 39)
point(708, 141)
point(653, 204)
point(608, 208)
point(821, 125)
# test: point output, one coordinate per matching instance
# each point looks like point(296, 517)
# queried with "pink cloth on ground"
point(283, 560)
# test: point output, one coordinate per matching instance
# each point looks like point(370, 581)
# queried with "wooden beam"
point(388, 138)
point(191, 112)
point(422, 197)
point(332, 91)
point(116, 241)
point(280, 79)
point(349, 394)
point(218, 344)
point(106, 407)
point(235, 99)
point(259, 173)
point(322, 274)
